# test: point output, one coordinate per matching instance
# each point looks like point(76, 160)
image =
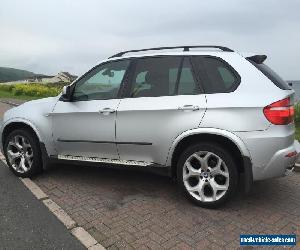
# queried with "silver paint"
point(165, 121)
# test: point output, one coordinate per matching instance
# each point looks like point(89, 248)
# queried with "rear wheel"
point(207, 173)
point(22, 152)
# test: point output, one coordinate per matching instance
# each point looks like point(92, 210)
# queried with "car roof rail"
point(185, 48)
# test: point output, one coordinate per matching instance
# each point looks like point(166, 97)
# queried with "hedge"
point(32, 89)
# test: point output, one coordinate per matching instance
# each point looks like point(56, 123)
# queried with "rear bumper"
point(281, 163)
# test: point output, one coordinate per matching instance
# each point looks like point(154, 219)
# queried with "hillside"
point(11, 74)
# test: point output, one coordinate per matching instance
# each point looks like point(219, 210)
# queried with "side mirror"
point(66, 93)
point(290, 84)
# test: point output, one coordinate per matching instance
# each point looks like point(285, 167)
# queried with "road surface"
point(25, 223)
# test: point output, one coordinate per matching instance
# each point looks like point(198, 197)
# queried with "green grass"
point(9, 95)
point(297, 122)
point(30, 91)
point(297, 134)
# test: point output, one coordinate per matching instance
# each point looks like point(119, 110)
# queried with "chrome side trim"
point(89, 141)
point(103, 160)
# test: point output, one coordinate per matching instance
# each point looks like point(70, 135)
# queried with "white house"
point(60, 77)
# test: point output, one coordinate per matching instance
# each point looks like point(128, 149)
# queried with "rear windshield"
point(274, 77)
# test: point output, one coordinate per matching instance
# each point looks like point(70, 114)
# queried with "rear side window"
point(217, 75)
point(155, 76)
point(163, 76)
point(274, 77)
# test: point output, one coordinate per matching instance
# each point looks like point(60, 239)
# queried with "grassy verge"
point(30, 91)
point(297, 122)
point(9, 95)
point(297, 134)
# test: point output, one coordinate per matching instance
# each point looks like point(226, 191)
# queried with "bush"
point(6, 87)
point(32, 89)
point(297, 114)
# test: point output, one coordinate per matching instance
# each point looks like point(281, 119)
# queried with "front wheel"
point(207, 173)
point(22, 153)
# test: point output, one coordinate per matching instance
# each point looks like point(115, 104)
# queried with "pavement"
point(25, 223)
point(136, 210)
point(3, 108)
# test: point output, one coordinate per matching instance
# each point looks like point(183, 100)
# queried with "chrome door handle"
point(189, 107)
point(107, 111)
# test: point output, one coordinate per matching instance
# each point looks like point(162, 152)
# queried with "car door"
point(163, 100)
point(85, 126)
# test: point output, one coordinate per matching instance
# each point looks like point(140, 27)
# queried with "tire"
point(23, 153)
point(207, 174)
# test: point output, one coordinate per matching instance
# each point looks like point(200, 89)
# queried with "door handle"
point(189, 107)
point(107, 111)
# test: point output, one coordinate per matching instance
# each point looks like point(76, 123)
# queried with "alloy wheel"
point(205, 176)
point(20, 154)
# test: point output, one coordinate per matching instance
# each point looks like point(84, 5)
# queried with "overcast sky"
point(73, 35)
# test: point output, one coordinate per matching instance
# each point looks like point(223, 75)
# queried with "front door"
point(85, 126)
point(164, 100)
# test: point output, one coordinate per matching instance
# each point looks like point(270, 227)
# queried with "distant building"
point(60, 77)
point(38, 78)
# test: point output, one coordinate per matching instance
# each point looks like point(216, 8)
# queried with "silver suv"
point(207, 116)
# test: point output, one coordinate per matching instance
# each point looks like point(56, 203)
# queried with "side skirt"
point(110, 163)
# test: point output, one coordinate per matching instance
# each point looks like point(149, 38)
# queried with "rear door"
point(163, 100)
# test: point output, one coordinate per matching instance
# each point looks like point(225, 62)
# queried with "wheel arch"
point(17, 124)
point(223, 137)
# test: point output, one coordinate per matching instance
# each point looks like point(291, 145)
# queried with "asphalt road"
point(25, 223)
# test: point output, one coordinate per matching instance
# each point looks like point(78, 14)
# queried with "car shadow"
point(123, 184)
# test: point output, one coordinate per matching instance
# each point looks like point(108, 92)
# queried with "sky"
point(74, 35)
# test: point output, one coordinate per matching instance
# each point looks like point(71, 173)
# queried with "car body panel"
point(156, 121)
point(265, 145)
point(36, 115)
point(79, 129)
point(212, 131)
point(242, 110)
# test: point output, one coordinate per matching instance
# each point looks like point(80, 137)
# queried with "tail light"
point(280, 112)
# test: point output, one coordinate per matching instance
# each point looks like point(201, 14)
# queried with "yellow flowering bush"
point(31, 89)
point(6, 87)
point(297, 114)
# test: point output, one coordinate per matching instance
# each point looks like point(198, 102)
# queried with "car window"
point(173, 74)
point(102, 83)
point(187, 84)
point(227, 77)
point(221, 78)
point(273, 76)
point(155, 76)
